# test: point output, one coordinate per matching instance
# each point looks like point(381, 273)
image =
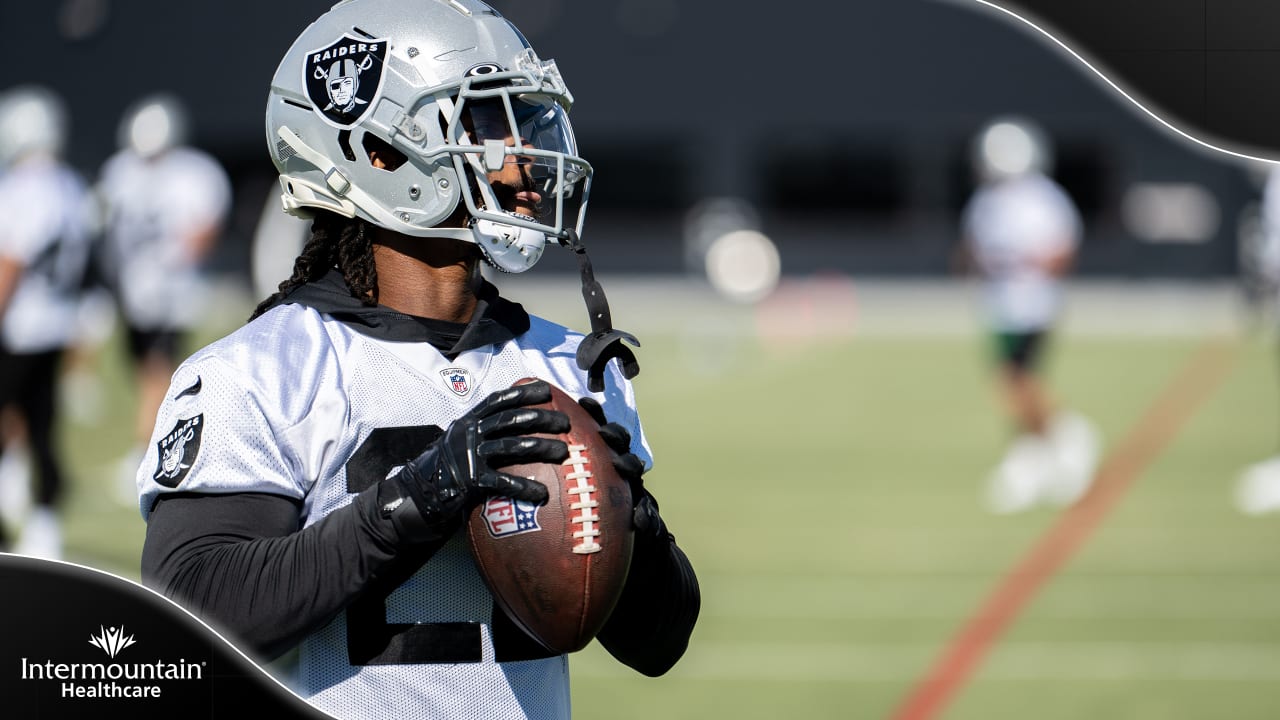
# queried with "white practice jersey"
point(293, 404)
point(152, 205)
point(1269, 251)
point(45, 220)
point(1012, 224)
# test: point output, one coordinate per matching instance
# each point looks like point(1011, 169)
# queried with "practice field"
point(825, 479)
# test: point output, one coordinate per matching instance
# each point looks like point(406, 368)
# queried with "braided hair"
point(336, 242)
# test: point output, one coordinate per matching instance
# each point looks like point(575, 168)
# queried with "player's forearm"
point(239, 562)
point(651, 624)
point(1059, 263)
point(10, 273)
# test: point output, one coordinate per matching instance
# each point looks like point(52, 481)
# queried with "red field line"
point(1145, 440)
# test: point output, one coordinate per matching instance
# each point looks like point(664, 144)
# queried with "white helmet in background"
point(452, 93)
point(153, 125)
point(1011, 146)
point(33, 119)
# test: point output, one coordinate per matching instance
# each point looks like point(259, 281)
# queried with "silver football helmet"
point(153, 125)
point(402, 111)
point(33, 119)
point(1009, 147)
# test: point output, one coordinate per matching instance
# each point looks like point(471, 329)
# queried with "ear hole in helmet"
point(389, 158)
point(344, 142)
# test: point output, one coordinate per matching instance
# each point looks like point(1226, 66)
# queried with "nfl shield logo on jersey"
point(178, 450)
point(344, 78)
point(504, 516)
point(458, 380)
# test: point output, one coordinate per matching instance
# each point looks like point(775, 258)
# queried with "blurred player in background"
point(165, 205)
point(44, 251)
point(1020, 233)
point(278, 239)
point(1258, 487)
point(310, 474)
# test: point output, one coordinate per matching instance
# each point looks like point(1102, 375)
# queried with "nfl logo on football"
point(505, 516)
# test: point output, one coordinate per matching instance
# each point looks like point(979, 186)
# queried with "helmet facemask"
point(524, 182)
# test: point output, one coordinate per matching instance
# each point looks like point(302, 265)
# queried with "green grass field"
point(828, 494)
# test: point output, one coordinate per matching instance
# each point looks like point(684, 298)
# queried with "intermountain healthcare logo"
point(112, 679)
point(110, 641)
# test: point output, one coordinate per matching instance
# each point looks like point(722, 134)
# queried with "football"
point(558, 569)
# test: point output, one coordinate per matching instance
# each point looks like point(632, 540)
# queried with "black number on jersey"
point(385, 450)
point(371, 640)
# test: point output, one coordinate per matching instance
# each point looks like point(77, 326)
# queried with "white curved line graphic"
point(1077, 56)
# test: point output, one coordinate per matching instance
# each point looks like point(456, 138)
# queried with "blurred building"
point(848, 132)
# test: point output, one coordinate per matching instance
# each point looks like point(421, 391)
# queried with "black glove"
point(644, 517)
point(459, 470)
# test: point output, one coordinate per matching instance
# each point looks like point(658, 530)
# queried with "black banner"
point(81, 643)
point(1206, 67)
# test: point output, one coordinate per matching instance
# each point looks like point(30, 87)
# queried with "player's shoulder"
point(119, 162)
point(17, 182)
point(1045, 186)
point(69, 182)
point(41, 189)
point(1033, 189)
point(283, 358)
point(551, 335)
point(191, 159)
point(555, 346)
point(285, 331)
point(553, 349)
point(40, 177)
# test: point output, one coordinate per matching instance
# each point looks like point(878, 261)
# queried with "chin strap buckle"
point(604, 343)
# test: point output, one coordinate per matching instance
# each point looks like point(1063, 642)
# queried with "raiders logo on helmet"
point(344, 78)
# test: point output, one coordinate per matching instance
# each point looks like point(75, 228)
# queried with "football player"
point(1020, 232)
point(309, 475)
point(1257, 488)
point(44, 252)
point(165, 204)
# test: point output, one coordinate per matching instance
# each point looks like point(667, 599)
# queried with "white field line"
point(1095, 598)
point(1010, 662)
point(842, 305)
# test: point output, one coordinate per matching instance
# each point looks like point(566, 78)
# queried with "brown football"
point(557, 569)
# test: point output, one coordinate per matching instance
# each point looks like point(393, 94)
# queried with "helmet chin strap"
point(510, 248)
point(604, 343)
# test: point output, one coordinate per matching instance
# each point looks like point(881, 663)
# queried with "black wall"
point(845, 123)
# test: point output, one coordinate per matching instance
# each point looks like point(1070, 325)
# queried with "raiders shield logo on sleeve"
point(344, 79)
point(177, 451)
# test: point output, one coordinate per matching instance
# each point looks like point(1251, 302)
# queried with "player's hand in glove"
point(645, 518)
point(459, 470)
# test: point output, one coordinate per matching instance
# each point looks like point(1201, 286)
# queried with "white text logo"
point(111, 640)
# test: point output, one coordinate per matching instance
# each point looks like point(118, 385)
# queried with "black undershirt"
point(496, 319)
point(240, 562)
point(243, 563)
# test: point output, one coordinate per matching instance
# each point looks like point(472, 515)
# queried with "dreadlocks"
point(336, 242)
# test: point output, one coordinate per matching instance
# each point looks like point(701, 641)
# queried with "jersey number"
point(371, 640)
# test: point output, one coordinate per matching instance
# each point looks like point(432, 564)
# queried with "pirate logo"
point(344, 79)
point(177, 451)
